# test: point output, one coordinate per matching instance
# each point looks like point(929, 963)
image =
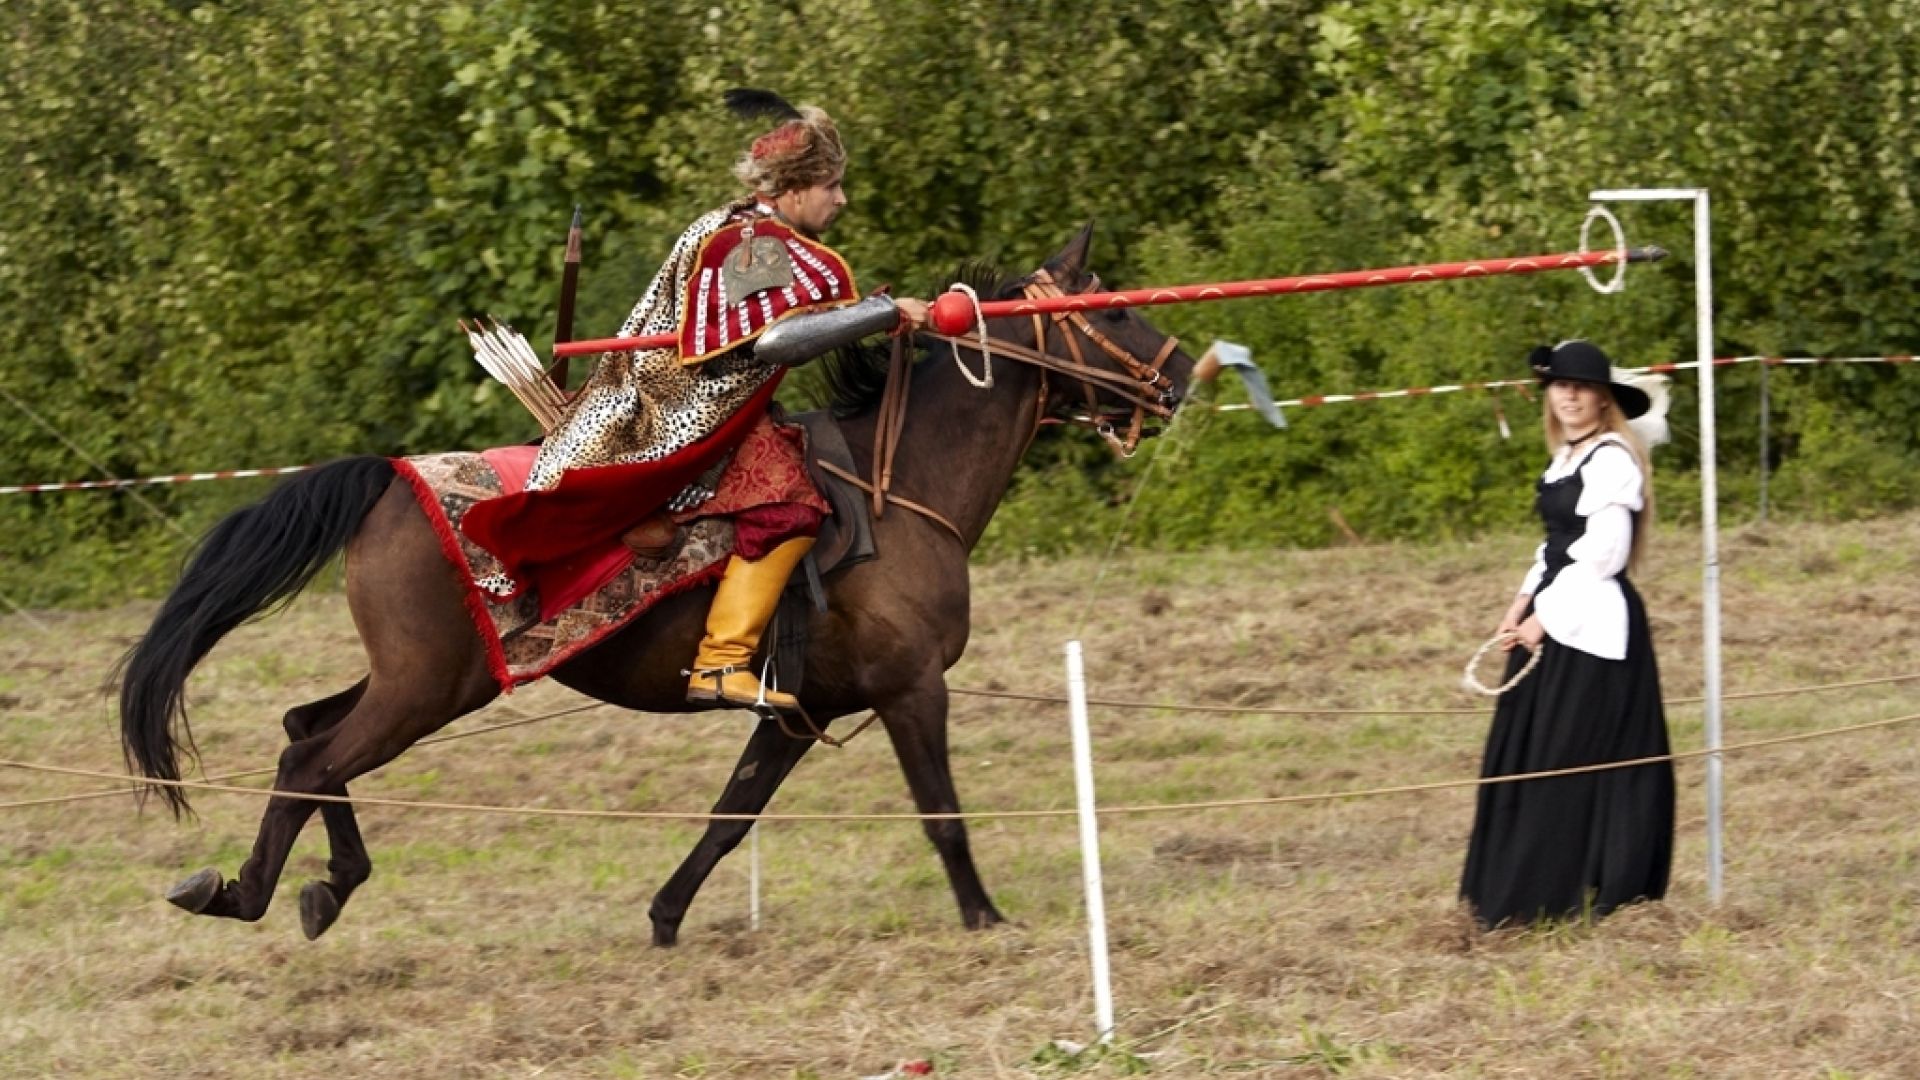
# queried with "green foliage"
point(238, 234)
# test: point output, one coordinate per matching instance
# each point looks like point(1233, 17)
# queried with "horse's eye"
point(1113, 317)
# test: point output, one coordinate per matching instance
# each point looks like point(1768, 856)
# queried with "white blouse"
point(1584, 608)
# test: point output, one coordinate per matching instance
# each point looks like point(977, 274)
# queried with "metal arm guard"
point(797, 339)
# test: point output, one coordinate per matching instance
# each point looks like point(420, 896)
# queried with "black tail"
point(256, 560)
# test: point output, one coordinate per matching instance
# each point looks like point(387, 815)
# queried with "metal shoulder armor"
point(803, 336)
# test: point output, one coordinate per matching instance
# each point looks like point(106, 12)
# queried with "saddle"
point(846, 539)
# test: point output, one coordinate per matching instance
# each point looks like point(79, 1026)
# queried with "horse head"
point(1123, 377)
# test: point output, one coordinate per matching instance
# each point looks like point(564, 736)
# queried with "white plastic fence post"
point(753, 876)
point(1766, 418)
point(1089, 843)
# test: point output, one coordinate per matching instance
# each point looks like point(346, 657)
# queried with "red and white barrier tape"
point(1653, 369)
point(1301, 402)
point(181, 478)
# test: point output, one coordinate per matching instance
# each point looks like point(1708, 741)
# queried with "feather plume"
point(748, 104)
point(1651, 425)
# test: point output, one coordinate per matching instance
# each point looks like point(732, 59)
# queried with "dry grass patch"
point(1321, 939)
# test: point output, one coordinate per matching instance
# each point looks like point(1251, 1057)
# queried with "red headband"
point(782, 140)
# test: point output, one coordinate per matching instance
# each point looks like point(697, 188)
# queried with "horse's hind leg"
point(348, 865)
point(770, 755)
point(917, 723)
point(375, 729)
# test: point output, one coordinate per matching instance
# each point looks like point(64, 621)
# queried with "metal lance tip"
point(1649, 253)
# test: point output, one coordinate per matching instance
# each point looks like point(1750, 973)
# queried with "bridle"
point(1141, 383)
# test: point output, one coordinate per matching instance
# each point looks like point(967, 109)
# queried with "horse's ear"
point(1071, 262)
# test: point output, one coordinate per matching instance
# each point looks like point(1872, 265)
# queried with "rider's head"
point(797, 167)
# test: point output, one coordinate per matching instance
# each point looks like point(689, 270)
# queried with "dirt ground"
point(1293, 940)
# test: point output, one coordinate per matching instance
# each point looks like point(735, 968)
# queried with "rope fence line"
point(1300, 402)
point(1307, 710)
point(974, 815)
point(131, 785)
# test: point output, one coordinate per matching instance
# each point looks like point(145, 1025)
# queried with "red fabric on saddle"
point(511, 464)
point(565, 540)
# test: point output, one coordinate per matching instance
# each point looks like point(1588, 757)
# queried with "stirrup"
point(770, 675)
point(698, 693)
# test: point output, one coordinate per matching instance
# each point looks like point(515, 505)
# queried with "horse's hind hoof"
point(196, 892)
point(318, 909)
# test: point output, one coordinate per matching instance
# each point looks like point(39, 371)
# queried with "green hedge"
point(238, 233)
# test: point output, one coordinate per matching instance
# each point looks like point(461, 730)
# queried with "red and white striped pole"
point(954, 313)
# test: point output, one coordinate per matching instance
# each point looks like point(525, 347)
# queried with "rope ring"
point(1471, 681)
point(1619, 281)
point(985, 382)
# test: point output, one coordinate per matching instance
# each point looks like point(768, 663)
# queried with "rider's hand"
point(913, 313)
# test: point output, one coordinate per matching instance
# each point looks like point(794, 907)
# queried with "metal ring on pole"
point(1471, 681)
point(1619, 281)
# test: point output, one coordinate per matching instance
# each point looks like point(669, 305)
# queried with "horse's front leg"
point(770, 755)
point(917, 723)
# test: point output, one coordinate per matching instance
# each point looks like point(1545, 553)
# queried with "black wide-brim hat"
point(1582, 361)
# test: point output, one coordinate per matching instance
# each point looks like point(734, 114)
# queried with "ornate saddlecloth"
point(521, 647)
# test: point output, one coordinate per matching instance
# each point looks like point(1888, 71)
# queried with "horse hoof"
point(318, 909)
point(196, 892)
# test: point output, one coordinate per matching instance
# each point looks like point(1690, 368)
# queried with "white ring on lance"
point(1619, 280)
point(1471, 681)
point(986, 347)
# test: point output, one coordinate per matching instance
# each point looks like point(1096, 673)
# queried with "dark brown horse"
point(894, 625)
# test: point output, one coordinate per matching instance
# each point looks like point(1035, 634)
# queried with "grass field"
point(1319, 939)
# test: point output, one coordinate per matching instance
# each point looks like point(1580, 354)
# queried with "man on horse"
point(749, 290)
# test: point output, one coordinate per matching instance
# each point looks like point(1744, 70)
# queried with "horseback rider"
point(750, 291)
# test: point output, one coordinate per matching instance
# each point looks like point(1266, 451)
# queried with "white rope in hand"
point(1619, 280)
point(1471, 681)
point(986, 348)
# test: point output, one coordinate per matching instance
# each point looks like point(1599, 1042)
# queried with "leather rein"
point(1143, 384)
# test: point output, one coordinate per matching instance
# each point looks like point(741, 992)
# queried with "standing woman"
point(1588, 843)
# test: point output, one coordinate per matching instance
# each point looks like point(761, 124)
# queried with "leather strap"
point(889, 496)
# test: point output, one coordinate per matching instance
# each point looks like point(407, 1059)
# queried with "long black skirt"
point(1581, 844)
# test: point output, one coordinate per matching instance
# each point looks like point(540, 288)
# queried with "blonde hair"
point(799, 154)
point(1614, 420)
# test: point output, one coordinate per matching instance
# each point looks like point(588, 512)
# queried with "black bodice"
point(1557, 503)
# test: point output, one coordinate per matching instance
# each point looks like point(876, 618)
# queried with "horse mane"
point(855, 376)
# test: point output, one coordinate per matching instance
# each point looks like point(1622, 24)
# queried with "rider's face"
point(811, 210)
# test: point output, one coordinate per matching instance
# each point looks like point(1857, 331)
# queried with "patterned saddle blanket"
point(522, 647)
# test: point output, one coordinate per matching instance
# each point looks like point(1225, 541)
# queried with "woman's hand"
point(1529, 633)
point(1510, 622)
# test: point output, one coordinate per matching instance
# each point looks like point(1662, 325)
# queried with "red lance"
point(569, 285)
point(954, 313)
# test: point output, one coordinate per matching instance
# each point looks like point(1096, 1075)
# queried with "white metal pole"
point(1709, 502)
point(1089, 843)
point(1709, 531)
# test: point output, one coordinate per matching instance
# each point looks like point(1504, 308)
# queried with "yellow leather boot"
point(748, 593)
